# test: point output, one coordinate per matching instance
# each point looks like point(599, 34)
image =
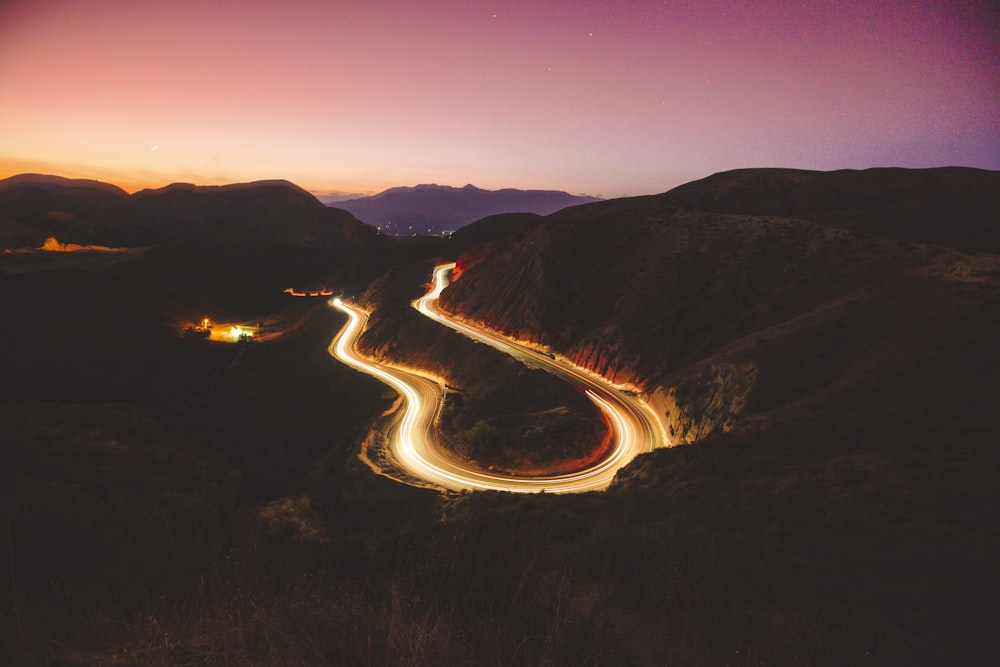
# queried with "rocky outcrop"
point(706, 399)
point(905, 204)
point(606, 361)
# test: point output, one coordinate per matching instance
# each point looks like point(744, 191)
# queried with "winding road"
point(414, 446)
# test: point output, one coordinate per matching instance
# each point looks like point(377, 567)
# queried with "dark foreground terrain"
point(824, 343)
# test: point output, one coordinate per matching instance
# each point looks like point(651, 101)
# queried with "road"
point(413, 443)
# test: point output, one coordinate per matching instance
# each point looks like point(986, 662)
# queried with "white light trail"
point(634, 425)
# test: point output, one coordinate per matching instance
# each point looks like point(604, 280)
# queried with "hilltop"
point(950, 206)
point(90, 212)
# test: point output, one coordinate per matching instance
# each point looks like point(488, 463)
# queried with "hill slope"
point(950, 206)
point(836, 377)
point(838, 506)
point(89, 212)
point(650, 291)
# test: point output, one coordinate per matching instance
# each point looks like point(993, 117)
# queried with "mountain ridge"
point(893, 202)
point(52, 180)
point(38, 206)
point(432, 209)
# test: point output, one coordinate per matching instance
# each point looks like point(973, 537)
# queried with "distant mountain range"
point(433, 209)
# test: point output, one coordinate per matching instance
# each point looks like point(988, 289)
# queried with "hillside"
point(836, 387)
point(170, 500)
point(432, 209)
point(951, 206)
point(89, 212)
point(234, 247)
point(651, 291)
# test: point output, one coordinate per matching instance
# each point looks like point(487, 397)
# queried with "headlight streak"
point(634, 425)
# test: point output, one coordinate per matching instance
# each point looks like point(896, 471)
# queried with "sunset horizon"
point(610, 100)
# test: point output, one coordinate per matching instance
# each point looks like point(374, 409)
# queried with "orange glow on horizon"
point(360, 97)
point(132, 183)
point(52, 245)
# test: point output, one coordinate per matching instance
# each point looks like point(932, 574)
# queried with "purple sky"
point(610, 98)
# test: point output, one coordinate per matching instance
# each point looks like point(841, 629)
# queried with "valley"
point(818, 349)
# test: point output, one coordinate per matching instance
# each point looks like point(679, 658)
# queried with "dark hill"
point(269, 209)
point(493, 227)
point(432, 209)
point(85, 212)
point(949, 206)
point(230, 247)
point(88, 212)
point(53, 183)
point(187, 502)
point(838, 387)
point(231, 187)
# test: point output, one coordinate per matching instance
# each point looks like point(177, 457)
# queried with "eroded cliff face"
point(486, 299)
point(606, 360)
point(708, 398)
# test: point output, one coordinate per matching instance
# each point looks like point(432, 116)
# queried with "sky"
point(589, 96)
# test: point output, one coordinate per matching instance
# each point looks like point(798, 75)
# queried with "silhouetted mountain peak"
point(48, 181)
point(231, 187)
point(93, 213)
point(432, 209)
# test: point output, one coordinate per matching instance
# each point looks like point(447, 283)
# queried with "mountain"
point(829, 379)
point(36, 206)
point(236, 245)
point(90, 212)
point(825, 348)
point(949, 206)
point(652, 291)
point(52, 182)
point(433, 209)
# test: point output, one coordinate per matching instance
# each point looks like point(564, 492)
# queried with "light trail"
point(413, 443)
